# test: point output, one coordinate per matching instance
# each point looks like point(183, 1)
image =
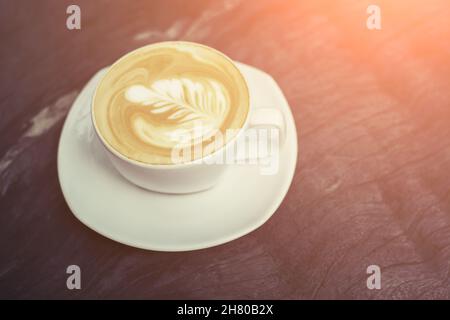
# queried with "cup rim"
point(167, 166)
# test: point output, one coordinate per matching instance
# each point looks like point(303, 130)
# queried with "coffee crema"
point(164, 95)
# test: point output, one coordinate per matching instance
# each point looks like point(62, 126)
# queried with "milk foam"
point(157, 95)
point(187, 103)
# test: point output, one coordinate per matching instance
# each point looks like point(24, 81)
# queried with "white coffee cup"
point(198, 175)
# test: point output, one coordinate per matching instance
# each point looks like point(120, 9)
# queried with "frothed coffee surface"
point(163, 95)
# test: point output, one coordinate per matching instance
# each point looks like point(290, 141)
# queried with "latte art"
point(186, 103)
point(155, 97)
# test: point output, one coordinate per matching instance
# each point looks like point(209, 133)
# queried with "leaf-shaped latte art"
point(183, 100)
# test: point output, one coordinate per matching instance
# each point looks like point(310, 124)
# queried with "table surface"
point(372, 185)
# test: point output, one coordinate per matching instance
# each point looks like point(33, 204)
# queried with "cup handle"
point(269, 118)
point(267, 128)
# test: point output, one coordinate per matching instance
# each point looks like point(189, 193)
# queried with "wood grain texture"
point(373, 180)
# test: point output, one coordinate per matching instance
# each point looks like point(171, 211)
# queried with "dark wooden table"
point(373, 179)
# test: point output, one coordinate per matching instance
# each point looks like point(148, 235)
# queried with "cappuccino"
point(163, 95)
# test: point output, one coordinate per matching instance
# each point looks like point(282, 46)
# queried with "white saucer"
point(107, 203)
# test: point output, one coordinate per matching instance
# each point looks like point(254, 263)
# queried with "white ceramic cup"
point(197, 175)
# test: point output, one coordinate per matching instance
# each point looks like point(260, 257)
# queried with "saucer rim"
point(240, 232)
